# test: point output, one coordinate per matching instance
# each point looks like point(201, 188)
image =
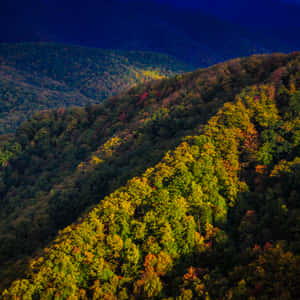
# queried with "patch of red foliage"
point(123, 116)
point(267, 246)
point(143, 97)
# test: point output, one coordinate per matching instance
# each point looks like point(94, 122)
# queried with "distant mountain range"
point(43, 76)
point(200, 36)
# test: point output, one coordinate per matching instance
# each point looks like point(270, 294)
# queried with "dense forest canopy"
point(40, 76)
point(181, 188)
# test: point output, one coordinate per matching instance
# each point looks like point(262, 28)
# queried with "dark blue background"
point(199, 32)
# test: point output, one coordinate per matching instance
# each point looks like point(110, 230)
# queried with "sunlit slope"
point(177, 223)
point(174, 224)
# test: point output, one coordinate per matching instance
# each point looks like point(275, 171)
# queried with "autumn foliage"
point(173, 204)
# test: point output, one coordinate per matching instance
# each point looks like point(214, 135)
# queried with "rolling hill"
point(180, 188)
point(39, 76)
point(195, 36)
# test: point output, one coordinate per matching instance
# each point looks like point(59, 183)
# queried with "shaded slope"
point(200, 223)
point(190, 35)
point(42, 76)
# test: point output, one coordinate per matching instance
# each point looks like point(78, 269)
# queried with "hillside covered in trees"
point(182, 188)
point(39, 76)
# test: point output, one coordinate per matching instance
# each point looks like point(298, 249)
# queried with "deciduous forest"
point(41, 76)
point(179, 188)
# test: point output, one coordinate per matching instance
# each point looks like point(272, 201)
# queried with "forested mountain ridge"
point(40, 76)
point(196, 224)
